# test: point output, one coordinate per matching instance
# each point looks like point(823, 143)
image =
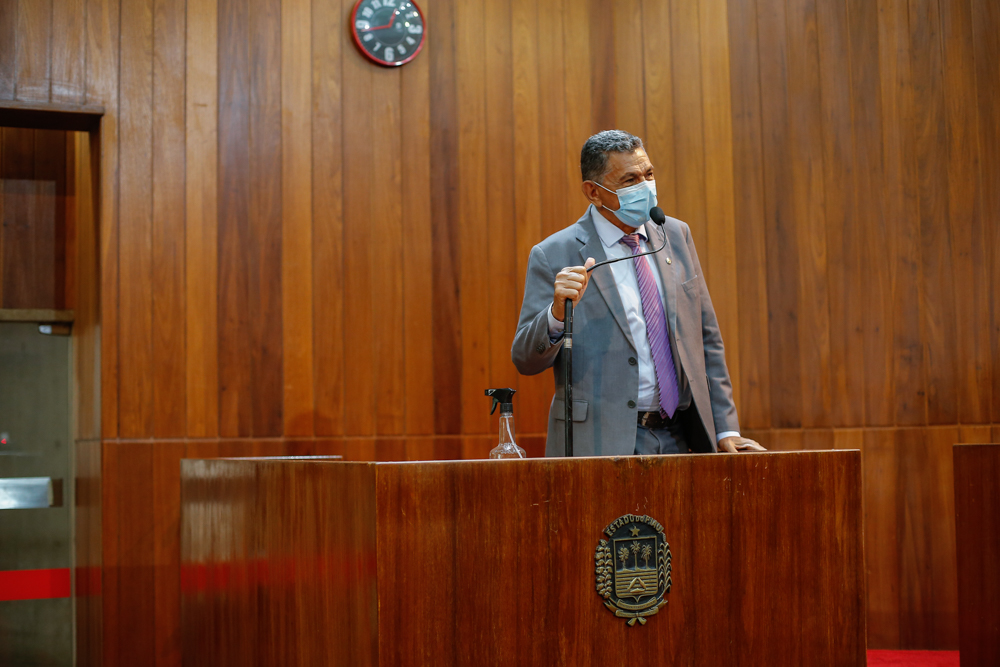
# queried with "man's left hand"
point(734, 444)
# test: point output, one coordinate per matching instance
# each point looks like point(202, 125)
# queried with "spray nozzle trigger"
point(504, 396)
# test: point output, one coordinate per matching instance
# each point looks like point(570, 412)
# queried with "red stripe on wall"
point(34, 584)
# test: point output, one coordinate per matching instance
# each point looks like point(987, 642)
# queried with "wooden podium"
point(289, 562)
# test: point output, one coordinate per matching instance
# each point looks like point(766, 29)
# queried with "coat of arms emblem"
point(633, 567)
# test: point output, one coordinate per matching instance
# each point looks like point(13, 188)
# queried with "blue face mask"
point(634, 202)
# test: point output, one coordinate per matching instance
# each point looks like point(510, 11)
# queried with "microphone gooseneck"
point(656, 215)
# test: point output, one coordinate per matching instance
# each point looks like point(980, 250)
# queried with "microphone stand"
point(656, 215)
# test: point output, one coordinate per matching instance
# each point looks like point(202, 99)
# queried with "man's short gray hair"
point(594, 156)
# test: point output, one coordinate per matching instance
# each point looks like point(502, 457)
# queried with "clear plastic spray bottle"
point(507, 449)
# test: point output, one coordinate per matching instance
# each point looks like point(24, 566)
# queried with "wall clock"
point(388, 32)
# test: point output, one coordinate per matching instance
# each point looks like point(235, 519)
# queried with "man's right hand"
point(571, 283)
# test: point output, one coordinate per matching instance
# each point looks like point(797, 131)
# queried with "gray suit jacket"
point(605, 374)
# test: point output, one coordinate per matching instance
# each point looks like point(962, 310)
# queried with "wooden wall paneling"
point(689, 133)
point(561, 208)
point(327, 216)
point(18, 153)
point(136, 509)
point(902, 212)
point(51, 237)
point(29, 212)
point(754, 390)
point(111, 559)
point(67, 279)
point(625, 19)
point(264, 222)
point(927, 576)
point(781, 229)
point(931, 147)
point(234, 317)
point(658, 90)
point(883, 536)
point(578, 91)
point(969, 255)
point(1, 217)
point(386, 256)
point(473, 234)
point(34, 51)
point(135, 244)
point(297, 217)
point(68, 51)
point(974, 434)
point(166, 520)
point(168, 363)
point(87, 569)
point(103, 38)
point(360, 248)
point(853, 438)
point(871, 214)
point(201, 220)
point(536, 391)
point(985, 23)
point(720, 252)
point(503, 301)
point(8, 48)
point(842, 259)
point(86, 306)
point(806, 151)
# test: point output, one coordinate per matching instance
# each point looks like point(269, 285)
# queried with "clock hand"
point(383, 27)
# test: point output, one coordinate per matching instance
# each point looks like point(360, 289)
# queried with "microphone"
point(657, 216)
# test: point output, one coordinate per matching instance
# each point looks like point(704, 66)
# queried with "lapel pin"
point(668, 260)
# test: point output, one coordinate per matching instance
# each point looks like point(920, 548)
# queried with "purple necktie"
point(656, 329)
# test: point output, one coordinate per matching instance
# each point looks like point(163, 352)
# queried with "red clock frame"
point(379, 61)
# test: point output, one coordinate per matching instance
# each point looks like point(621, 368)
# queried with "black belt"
point(654, 420)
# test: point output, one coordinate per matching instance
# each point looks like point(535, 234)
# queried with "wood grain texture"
point(34, 51)
point(977, 496)
point(407, 520)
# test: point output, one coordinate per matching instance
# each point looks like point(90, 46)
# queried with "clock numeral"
point(376, 4)
point(368, 37)
point(389, 54)
point(402, 49)
point(411, 41)
point(416, 29)
point(361, 25)
point(367, 12)
point(389, 3)
point(412, 15)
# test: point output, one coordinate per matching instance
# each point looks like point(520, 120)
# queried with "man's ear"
point(589, 189)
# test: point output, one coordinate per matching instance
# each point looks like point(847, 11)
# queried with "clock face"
point(388, 32)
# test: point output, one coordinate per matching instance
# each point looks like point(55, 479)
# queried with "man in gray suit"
point(649, 368)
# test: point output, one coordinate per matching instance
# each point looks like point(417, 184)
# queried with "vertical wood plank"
point(872, 214)
point(473, 234)
point(168, 190)
point(689, 131)
point(969, 255)
point(327, 231)
point(880, 460)
point(501, 238)
point(536, 391)
point(603, 80)
point(930, 144)
point(720, 221)
point(111, 500)
point(359, 131)
point(67, 280)
point(843, 250)
point(264, 221)
point(296, 216)
point(202, 219)
point(166, 504)
point(136, 335)
point(556, 209)
point(235, 383)
point(985, 23)
point(780, 223)
point(444, 212)
point(50, 237)
point(386, 288)
point(625, 17)
point(68, 51)
point(136, 509)
point(8, 48)
point(102, 88)
point(807, 210)
point(86, 332)
point(754, 390)
point(34, 51)
point(659, 99)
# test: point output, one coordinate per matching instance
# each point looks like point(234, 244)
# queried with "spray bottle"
point(507, 449)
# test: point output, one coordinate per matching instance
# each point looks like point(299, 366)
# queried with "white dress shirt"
point(628, 290)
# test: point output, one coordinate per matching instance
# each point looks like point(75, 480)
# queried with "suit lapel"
point(656, 233)
point(602, 277)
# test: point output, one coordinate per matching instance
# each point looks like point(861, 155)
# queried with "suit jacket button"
point(632, 361)
point(631, 404)
point(540, 348)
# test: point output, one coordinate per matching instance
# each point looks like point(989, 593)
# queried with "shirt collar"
point(610, 235)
